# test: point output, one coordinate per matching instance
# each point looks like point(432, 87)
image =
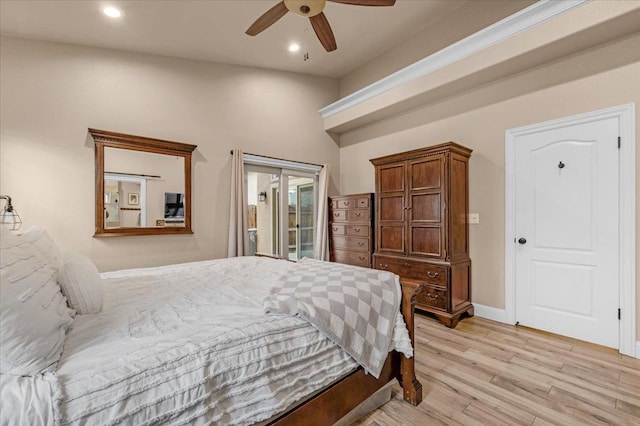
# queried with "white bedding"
point(184, 344)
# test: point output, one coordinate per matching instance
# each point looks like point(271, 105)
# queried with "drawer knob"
point(356, 229)
point(346, 203)
point(336, 214)
point(432, 274)
point(360, 243)
point(361, 257)
point(357, 214)
point(432, 296)
point(335, 229)
point(384, 266)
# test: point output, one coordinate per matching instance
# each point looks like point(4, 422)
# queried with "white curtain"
point(238, 232)
point(321, 240)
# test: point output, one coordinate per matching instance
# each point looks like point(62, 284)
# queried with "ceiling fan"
point(313, 10)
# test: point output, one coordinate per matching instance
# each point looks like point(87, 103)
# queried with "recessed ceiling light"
point(112, 12)
point(294, 47)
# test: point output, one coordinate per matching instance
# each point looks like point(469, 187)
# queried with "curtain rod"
point(281, 159)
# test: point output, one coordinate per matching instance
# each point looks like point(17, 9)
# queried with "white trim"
point(626, 119)
point(491, 313)
point(506, 28)
point(638, 349)
point(259, 160)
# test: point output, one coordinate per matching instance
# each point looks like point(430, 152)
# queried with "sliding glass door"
point(281, 225)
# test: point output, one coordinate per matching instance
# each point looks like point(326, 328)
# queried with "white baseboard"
point(489, 312)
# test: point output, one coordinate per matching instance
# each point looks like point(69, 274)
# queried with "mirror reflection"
point(142, 189)
point(143, 185)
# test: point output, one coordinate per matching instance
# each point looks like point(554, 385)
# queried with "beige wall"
point(466, 18)
point(51, 94)
point(603, 77)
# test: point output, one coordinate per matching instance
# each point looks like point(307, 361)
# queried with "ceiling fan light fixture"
point(294, 47)
point(306, 8)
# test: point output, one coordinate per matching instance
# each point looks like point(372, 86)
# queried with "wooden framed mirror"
point(143, 185)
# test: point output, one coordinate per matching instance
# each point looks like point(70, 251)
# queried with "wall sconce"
point(262, 196)
point(9, 216)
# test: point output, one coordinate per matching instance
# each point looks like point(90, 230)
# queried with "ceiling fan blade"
point(366, 2)
point(269, 18)
point(323, 31)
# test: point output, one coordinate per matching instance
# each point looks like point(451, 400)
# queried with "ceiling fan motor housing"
point(306, 8)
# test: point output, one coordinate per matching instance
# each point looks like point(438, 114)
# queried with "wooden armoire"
point(422, 232)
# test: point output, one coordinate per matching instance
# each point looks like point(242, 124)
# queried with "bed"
point(192, 344)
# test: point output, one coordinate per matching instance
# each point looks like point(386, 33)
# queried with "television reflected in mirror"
point(173, 209)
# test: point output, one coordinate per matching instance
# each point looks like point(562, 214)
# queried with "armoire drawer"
point(435, 297)
point(351, 258)
point(409, 268)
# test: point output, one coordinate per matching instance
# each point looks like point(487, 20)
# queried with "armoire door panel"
point(391, 238)
point(391, 207)
point(426, 208)
point(426, 173)
point(391, 178)
point(426, 241)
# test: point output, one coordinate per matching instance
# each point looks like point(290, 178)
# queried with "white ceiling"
point(213, 30)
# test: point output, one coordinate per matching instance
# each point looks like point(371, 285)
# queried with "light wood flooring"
point(487, 373)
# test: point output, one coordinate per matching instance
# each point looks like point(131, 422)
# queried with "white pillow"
point(81, 283)
point(34, 316)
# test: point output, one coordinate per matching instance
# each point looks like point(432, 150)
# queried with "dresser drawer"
point(338, 215)
point(363, 203)
point(434, 297)
point(357, 230)
point(359, 214)
point(432, 274)
point(338, 229)
point(348, 204)
point(351, 243)
point(351, 258)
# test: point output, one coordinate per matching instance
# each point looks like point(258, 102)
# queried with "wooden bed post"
point(412, 389)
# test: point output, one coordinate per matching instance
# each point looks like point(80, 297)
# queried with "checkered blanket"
point(355, 307)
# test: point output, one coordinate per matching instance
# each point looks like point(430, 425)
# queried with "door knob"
point(522, 241)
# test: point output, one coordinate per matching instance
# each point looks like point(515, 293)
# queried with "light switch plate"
point(474, 218)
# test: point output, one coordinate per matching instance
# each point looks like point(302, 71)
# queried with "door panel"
point(426, 173)
point(391, 178)
point(563, 287)
point(563, 215)
point(567, 211)
point(426, 207)
point(426, 241)
point(390, 238)
point(391, 207)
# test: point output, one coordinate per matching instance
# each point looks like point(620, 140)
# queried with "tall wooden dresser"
point(350, 229)
point(422, 204)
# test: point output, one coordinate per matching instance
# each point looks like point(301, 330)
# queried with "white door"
point(567, 238)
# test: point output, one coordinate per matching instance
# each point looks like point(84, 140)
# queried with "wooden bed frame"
point(338, 399)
